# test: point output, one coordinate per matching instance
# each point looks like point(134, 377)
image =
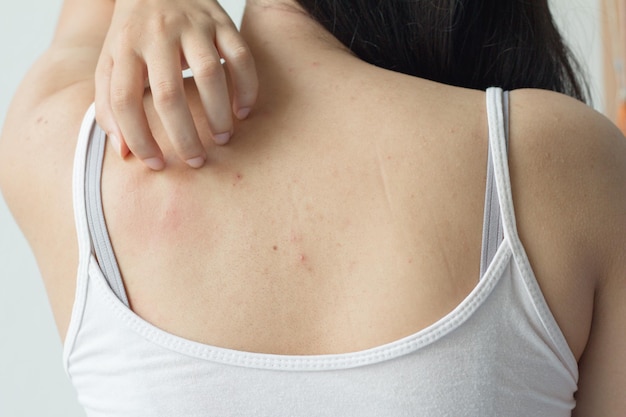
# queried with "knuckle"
point(125, 36)
point(222, 19)
point(161, 23)
point(122, 98)
point(166, 92)
point(241, 55)
point(207, 67)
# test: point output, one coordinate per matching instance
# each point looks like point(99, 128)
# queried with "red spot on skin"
point(275, 247)
point(410, 260)
point(302, 258)
point(315, 64)
point(238, 177)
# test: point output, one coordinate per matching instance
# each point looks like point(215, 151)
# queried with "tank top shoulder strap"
point(498, 115)
point(497, 111)
point(91, 227)
point(89, 220)
point(493, 232)
point(78, 186)
point(82, 230)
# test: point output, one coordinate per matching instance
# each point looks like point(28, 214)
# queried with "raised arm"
point(38, 140)
point(39, 137)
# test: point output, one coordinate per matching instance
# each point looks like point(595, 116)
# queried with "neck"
point(289, 46)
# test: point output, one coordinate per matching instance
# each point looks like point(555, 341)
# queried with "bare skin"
point(345, 213)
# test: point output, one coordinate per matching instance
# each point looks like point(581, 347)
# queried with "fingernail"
point(115, 142)
point(195, 162)
point(243, 113)
point(222, 138)
point(155, 164)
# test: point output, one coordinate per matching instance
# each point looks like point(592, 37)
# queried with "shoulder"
point(555, 121)
point(572, 155)
point(568, 166)
point(568, 178)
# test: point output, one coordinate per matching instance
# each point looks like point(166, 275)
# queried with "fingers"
point(166, 83)
point(126, 97)
point(242, 70)
point(104, 113)
point(210, 79)
point(160, 41)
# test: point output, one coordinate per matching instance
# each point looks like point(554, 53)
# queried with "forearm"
point(71, 57)
point(83, 23)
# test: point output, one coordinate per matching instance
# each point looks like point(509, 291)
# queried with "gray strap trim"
point(493, 231)
point(102, 247)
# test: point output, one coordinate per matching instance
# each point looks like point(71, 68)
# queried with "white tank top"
point(499, 353)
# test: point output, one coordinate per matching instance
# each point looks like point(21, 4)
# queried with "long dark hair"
point(469, 43)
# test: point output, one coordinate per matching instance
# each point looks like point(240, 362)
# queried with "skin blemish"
point(275, 247)
point(237, 178)
point(315, 64)
point(304, 261)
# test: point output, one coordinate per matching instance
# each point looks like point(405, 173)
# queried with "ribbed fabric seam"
point(391, 350)
point(492, 229)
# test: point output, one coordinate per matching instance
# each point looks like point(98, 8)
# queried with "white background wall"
point(32, 382)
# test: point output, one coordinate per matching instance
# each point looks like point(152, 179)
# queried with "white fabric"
point(499, 353)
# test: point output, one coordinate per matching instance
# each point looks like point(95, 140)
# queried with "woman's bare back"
point(345, 213)
point(340, 218)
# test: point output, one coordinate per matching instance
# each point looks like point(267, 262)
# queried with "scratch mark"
point(384, 177)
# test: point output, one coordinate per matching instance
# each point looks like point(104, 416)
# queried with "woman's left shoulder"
point(561, 116)
point(567, 137)
point(572, 160)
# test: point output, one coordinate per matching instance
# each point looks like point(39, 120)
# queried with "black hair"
point(468, 43)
